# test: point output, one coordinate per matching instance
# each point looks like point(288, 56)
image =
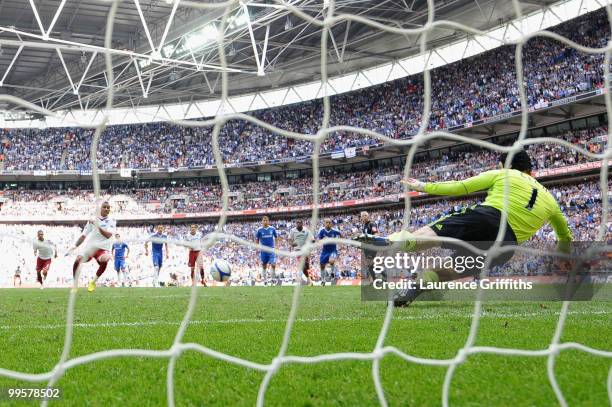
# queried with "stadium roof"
point(164, 50)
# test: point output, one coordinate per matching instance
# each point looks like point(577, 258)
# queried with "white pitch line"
point(135, 296)
point(255, 320)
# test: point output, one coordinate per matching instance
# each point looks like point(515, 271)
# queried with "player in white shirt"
point(193, 237)
point(99, 233)
point(298, 236)
point(44, 250)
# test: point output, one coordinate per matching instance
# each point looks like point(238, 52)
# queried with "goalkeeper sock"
point(429, 276)
point(406, 239)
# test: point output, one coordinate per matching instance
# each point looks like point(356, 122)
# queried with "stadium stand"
point(481, 86)
point(203, 195)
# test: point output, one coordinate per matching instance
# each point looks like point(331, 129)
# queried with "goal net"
point(327, 19)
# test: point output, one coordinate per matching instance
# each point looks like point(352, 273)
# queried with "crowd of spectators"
point(478, 87)
point(581, 204)
point(200, 195)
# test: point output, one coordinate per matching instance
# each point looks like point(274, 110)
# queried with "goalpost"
point(380, 350)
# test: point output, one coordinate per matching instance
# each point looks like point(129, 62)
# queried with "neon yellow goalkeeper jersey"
point(530, 205)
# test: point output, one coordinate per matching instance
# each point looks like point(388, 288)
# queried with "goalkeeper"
point(530, 206)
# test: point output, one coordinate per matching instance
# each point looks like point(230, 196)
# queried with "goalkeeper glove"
point(414, 184)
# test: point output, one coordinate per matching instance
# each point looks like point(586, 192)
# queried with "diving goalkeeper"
point(530, 206)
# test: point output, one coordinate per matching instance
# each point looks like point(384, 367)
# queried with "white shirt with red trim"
point(193, 238)
point(46, 248)
point(97, 239)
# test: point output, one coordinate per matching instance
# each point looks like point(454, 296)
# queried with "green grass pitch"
point(249, 323)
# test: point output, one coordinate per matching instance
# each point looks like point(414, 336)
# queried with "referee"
point(367, 226)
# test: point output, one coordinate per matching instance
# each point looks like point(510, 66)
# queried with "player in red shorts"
point(98, 232)
point(44, 250)
point(193, 237)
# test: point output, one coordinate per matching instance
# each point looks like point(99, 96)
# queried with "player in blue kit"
point(329, 252)
point(157, 251)
point(266, 236)
point(119, 253)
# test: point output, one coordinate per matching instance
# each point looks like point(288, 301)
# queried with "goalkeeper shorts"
point(478, 225)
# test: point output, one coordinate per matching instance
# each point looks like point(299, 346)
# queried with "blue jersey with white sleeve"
point(119, 249)
point(333, 232)
point(266, 236)
point(158, 247)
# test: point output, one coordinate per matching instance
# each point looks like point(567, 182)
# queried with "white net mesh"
point(380, 350)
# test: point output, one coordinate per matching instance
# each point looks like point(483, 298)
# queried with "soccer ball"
point(220, 270)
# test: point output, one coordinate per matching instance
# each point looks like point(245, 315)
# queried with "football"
point(220, 270)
